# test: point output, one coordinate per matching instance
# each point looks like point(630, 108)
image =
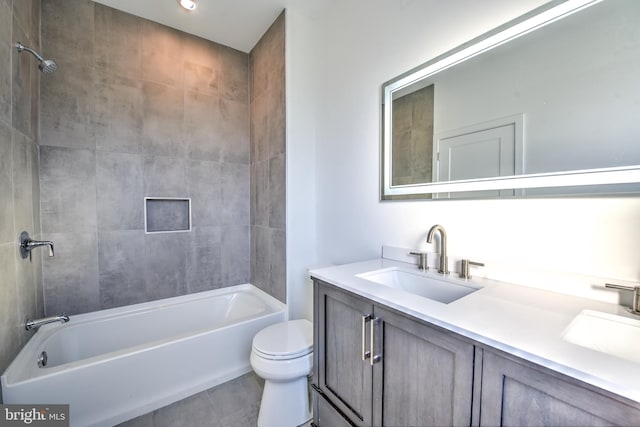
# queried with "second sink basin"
point(607, 333)
point(436, 289)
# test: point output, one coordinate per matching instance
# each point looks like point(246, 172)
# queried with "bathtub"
point(113, 365)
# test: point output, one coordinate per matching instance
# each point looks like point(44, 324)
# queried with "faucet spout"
point(27, 244)
point(31, 325)
point(444, 264)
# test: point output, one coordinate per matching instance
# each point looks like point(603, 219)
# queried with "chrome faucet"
point(444, 267)
point(31, 325)
point(635, 303)
point(27, 244)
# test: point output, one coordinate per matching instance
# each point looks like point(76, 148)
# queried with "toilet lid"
point(286, 340)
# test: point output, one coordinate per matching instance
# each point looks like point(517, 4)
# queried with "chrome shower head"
point(46, 65)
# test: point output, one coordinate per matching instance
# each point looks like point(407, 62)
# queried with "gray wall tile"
point(120, 191)
point(235, 253)
point(165, 264)
point(235, 131)
point(9, 314)
point(162, 55)
point(6, 70)
point(201, 65)
point(118, 42)
point(71, 277)
point(141, 110)
point(277, 264)
point(202, 124)
point(235, 189)
point(67, 103)
point(22, 185)
point(163, 111)
point(204, 261)
point(260, 128)
point(234, 75)
point(121, 274)
point(23, 66)
point(20, 280)
point(277, 192)
point(268, 161)
point(118, 113)
point(67, 95)
point(35, 189)
point(204, 189)
point(277, 119)
point(165, 177)
point(263, 198)
point(6, 185)
point(67, 30)
point(68, 190)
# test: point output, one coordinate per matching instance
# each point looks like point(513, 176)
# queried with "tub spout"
point(27, 244)
point(31, 325)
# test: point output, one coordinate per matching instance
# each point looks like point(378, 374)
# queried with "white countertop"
point(526, 322)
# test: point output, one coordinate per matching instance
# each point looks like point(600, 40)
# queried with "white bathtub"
point(116, 364)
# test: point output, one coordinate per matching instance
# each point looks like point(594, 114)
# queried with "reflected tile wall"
point(20, 279)
point(268, 161)
point(140, 110)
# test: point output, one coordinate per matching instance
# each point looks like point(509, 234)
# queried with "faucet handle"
point(422, 260)
point(464, 267)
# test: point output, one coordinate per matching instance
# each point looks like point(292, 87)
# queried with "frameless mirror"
point(546, 104)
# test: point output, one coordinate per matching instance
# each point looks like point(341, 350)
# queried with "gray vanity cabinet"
point(420, 375)
point(517, 393)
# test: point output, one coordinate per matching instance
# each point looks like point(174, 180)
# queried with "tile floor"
point(232, 404)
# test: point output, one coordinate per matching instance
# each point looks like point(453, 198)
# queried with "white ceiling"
point(235, 23)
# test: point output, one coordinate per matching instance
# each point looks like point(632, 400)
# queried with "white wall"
point(358, 45)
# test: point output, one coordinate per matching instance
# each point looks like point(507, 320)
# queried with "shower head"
point(46, 65)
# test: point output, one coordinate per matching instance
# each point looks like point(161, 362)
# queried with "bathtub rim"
point(21, 369)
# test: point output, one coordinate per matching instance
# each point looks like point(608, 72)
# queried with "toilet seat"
point(284, 341)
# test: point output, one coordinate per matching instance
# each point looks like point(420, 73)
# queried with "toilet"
point(282, 354)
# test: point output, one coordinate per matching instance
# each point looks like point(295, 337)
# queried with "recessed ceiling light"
point(188, 4)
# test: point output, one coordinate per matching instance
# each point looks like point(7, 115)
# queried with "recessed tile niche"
point(167, 215)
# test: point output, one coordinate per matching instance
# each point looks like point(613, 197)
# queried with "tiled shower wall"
point(138, 109)
point(268, 144)
point(20, 279)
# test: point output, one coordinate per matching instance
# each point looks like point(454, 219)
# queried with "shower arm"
point(22, 47)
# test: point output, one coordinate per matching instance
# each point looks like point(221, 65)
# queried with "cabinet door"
point(325, 415)
point(515, 393)
point(425, 376)
point(342, 376)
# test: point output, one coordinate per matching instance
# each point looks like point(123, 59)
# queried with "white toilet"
point(282, 354)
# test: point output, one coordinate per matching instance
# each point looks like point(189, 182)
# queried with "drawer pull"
point(365, 354)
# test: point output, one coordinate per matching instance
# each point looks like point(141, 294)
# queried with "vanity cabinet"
point(422, 375)
point(517, 393)
point(378, 367)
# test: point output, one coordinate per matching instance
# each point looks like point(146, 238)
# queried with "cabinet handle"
point(365, 354)
point(374, 357)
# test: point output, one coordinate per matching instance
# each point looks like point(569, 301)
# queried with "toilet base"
point(284, 404)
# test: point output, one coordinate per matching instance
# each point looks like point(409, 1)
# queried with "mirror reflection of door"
point(481, 151)
point(413, 137)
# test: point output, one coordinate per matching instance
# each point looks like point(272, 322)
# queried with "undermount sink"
point(416, 283)
point(607, 333)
